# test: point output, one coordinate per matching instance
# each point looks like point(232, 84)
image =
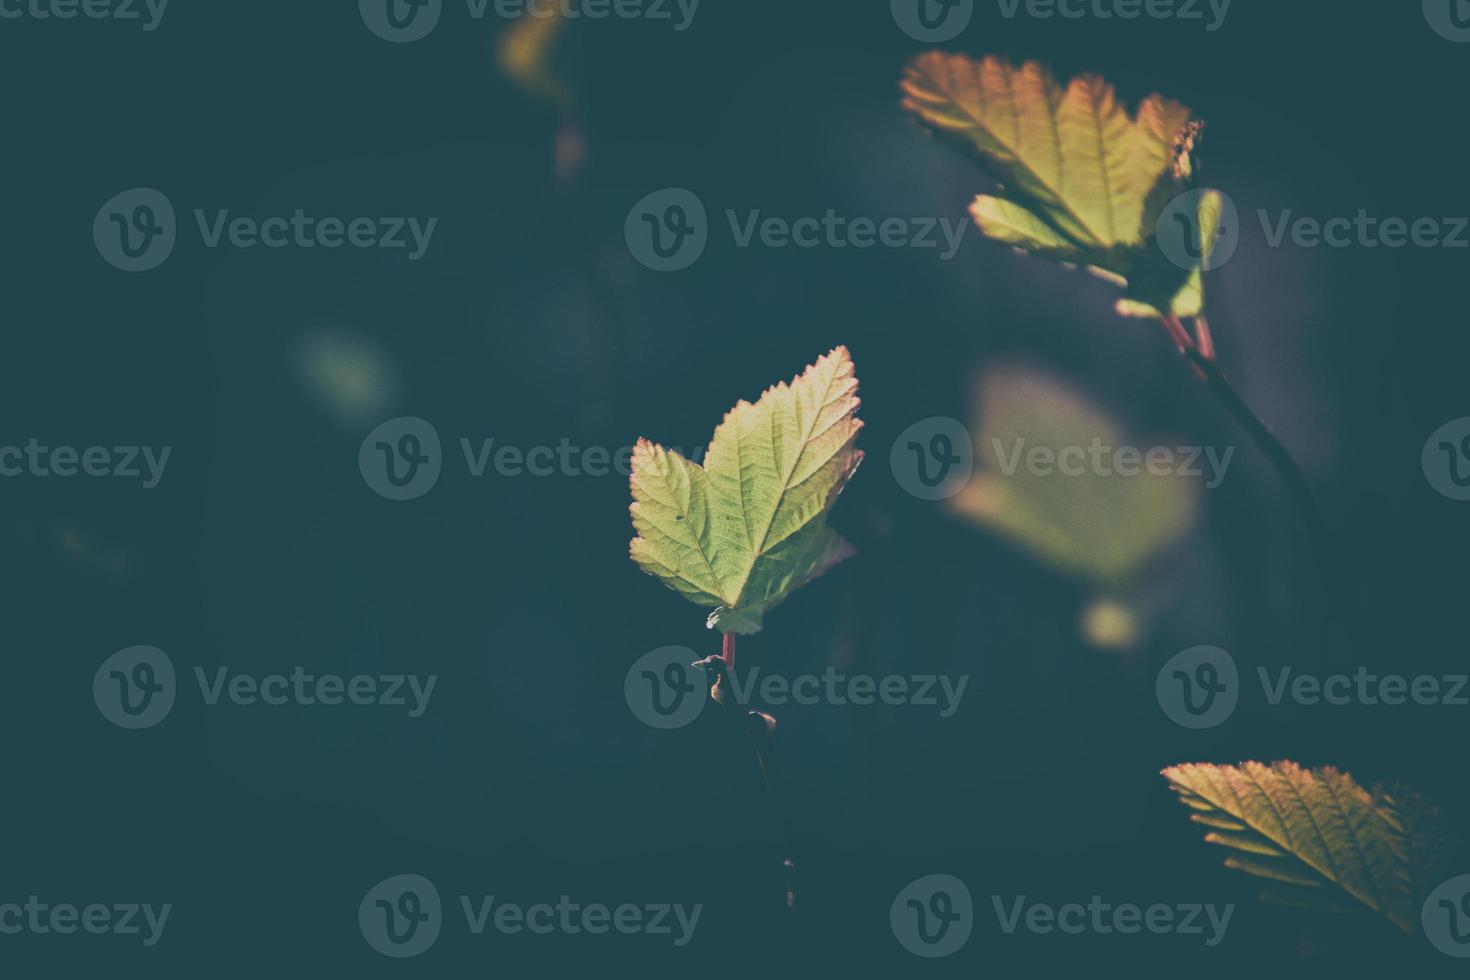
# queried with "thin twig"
point(1182, 340)
point(761, 728)
point(1202, 357)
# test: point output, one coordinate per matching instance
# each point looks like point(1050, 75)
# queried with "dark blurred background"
point(529, 322)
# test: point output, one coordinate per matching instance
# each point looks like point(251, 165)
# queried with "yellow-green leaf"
point(742, 532)
point(1318, 836)
point(1082, 180)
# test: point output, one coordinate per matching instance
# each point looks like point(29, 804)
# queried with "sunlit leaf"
point(1082, 180)
point(1318, 838)
point(743, 531)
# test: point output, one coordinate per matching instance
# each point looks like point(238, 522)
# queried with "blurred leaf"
point(351, 375)
point(1101, 525)
point(1082, 181)
point(530, 53)
point(749, 527)
point(1109, 624)
point(526, 52)
point(81, 548)
point(1319, 838)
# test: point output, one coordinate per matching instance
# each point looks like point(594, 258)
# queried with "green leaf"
point(1082, 181)
point(749, 527)
point(1103, 526)
point(1320, 839)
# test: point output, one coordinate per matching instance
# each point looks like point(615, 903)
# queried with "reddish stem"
point(1178, 334)
point(729, 651)
point(1206, 339)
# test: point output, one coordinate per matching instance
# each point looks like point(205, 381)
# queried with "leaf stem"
point(1206, 340)
point(761, 728)
point(1201, 356)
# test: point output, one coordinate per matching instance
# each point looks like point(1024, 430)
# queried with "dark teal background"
point(528, 322)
